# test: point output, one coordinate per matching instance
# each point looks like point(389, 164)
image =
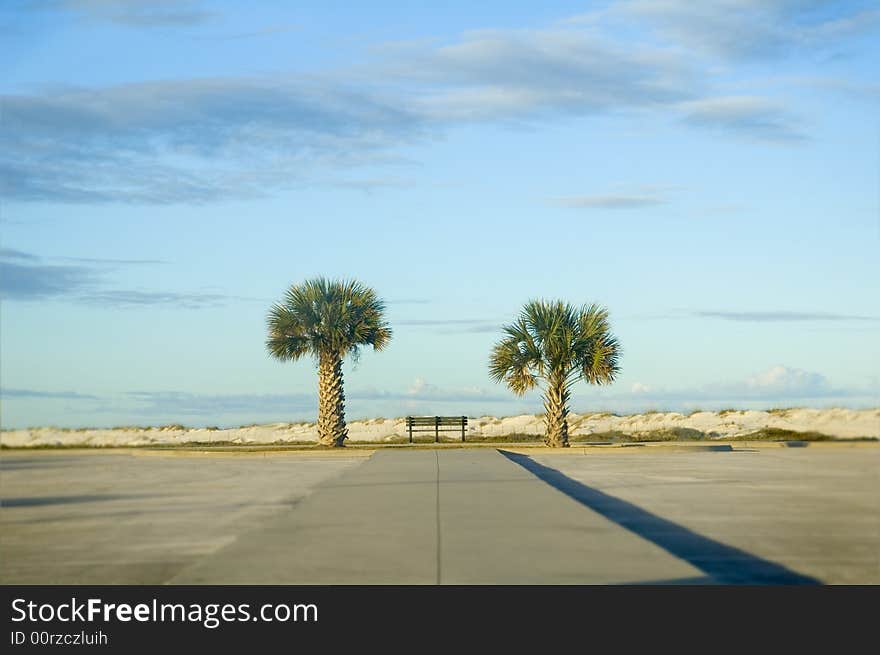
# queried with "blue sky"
point(708, 172)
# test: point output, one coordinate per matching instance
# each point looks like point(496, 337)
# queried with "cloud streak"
point(10, 253)
point(748, 30)
point(421, 390)
point(783, 316)
point(110, 262)
point(778, 385)
point(35, 394)
point(746, 116)
point(609, 201)
point(420, 396)
point(208, 139)
point(186, 140)
point(270, 30)
point(121, 299)
point(454, 325)
point(25, 277)
point(130, 13)
point(178, 403)
point(533, 74)
point(41, 282)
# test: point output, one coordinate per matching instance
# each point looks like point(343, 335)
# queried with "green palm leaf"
point(557, 344)
point(328, 320)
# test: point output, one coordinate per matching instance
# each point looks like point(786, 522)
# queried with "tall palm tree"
point(327, 319)
point(558, 344)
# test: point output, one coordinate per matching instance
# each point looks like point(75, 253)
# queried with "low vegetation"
point(780, 434)
point(667, 434)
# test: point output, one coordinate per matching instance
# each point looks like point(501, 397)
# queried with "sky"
point(709, 172)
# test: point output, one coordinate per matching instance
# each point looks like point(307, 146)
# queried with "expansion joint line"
point(437, 512)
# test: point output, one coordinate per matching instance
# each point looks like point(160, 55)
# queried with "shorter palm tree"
point(557, 344)
point(327, 320)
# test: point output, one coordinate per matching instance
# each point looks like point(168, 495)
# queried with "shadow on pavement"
point(40, 501)
point(724, 564)
point(19, 463)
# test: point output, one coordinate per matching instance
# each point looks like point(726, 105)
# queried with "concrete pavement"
point(136, 517)
point(449, 516)
point(814, 510)
point(468, 516)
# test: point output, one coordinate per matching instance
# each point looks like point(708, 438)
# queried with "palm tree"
point(558, 344)
point(327, 319)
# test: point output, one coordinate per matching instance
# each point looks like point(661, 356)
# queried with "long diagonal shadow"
point(725, 564)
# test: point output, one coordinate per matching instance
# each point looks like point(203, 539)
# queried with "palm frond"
point(557, 342)
point(327, 316)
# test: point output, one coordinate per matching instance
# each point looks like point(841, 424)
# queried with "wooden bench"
point(436, 424)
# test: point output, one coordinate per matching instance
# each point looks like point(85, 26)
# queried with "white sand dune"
point(838, 423)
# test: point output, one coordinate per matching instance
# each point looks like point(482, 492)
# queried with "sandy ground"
point(840, 423)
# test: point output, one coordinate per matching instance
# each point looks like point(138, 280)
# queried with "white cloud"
point(188, 140)
point(749, 29)
point(782, 380)
point(137, 13)
point(201, 140)
point(614, 201)
point(750, 116)
point(776, 385)
point(419, 386)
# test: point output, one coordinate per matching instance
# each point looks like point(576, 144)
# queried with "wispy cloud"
point(10, 253)
point(26, 277)
point(441, 321)
point(420, 396)
point(516, 74)
point(117, 143)
point(128, 298)
point(203, 140)
point(130, 13)
point(270, 30)
point(749, 30)
point(31, 393)
point(110, 262)
point(616, 201)
point(778, 385)
point(748, 116)
point(179, 403)
point(372, 184)
point(185, 141)
point(39, 282)
point(454, 324)
point(420, 390)
point(855, 89)
point(784, 316)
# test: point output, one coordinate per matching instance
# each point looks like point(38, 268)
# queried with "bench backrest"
point(436, 424)
point(431, 421)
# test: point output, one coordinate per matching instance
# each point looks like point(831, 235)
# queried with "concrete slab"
point(115, 517)
point(375, 525)
point(438, 516)
point(454, 516)
point(815, 511)
point(500, 524)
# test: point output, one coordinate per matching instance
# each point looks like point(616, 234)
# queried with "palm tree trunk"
point(331, 401)
point(556, 412)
